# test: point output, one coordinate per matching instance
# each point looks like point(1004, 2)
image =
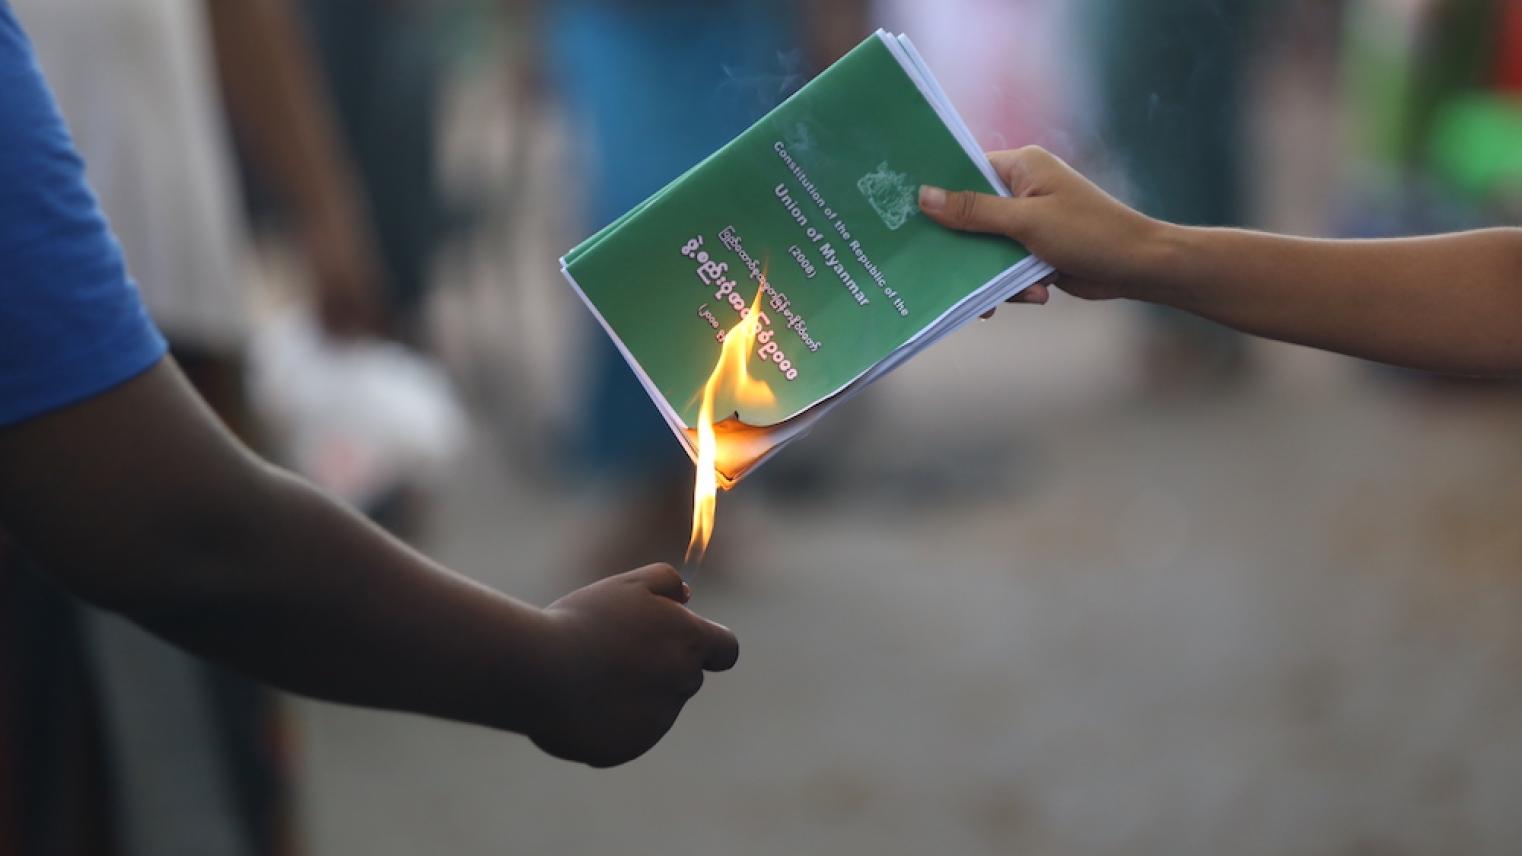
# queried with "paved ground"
point(1038, 612)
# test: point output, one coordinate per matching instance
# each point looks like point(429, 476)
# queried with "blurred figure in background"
point(1433, 90)
point(653, 87)
point(383, 64)
point(1172, 78)
point(194, 752)
point(1010, 77)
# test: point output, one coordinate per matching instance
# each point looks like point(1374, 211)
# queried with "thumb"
point(972, 212)
point(662, 579)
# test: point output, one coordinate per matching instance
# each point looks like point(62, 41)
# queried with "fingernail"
point(686, 592)
point(932, 198)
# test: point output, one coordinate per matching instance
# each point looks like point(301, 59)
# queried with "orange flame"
point(731, 377)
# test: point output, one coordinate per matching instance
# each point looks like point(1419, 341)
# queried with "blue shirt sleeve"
point(71, 321)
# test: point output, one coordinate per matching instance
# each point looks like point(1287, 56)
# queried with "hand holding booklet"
point(810, 216)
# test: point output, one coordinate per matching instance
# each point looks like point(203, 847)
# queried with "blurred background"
point(1083, 579)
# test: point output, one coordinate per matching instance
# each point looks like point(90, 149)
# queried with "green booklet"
point(814, 209)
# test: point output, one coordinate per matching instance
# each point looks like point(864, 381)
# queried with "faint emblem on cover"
point(892, 194)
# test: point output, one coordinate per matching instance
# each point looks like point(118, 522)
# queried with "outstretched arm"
point(138, 500)
point(1449, 303)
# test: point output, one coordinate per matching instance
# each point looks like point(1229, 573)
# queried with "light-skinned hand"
point(1099, 246)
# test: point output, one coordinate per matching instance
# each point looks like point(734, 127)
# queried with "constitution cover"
point(815, 209)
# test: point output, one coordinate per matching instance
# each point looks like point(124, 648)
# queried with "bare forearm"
point(1450, 303)
point(140, 502)
point(315, 599)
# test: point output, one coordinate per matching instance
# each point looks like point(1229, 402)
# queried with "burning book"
point(797, 251)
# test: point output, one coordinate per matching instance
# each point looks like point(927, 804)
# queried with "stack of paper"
point(816, 207)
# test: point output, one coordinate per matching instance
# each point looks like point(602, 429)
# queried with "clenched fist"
point(624, 656)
